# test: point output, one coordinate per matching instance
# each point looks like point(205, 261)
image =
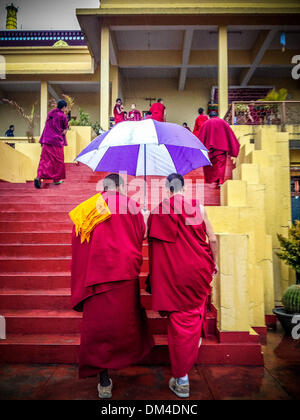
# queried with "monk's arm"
point(212, 239)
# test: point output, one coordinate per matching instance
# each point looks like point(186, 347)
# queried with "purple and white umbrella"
point(145, 147)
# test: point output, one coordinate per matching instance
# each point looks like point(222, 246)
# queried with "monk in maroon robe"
point(105, 285)
point(119, 111)
point(53, 140)
point(200, 120)
point(184, 125)
point(218, 137)
point(134, 114)
point(182, 264)
point(158, 111)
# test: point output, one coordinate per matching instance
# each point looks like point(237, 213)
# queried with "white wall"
point(46, 14)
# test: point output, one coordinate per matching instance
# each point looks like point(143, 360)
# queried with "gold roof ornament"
point(60, 44)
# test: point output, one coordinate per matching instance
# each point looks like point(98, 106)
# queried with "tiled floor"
point(278, 380)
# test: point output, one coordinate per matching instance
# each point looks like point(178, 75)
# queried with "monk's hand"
point(216, 270)
point(163, 314)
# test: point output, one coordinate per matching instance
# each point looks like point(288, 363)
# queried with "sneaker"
point(182, 391)
point(58, 182)
point(105, 391)
point(37, 183)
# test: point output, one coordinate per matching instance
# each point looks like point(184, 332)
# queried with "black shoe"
point(37, 183)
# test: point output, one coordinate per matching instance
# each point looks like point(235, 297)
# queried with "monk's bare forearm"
point(214, 249)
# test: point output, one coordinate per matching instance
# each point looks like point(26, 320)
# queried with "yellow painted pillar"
point(43, 104)
point(104, 78)
point(114, 76)
point(223, 71)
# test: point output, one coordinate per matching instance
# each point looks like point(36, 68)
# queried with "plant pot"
point(285, 320)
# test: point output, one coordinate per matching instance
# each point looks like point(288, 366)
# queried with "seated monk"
point(107, 242)
point(134, 114)
point(182, 265)
point(220, 140)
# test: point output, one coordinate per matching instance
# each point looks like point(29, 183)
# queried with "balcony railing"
point(263, 113)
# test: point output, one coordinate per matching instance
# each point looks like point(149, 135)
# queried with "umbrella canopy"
point(145, 147)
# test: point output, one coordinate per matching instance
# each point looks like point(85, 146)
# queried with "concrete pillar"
point(223, 71)
point(104, 78)
point(43, 105)
point(114, 86)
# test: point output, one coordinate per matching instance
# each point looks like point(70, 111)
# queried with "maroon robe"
point(118, 117)
point(220, 140)
point(105, 287)
point(181, 268)
point(52, 165)
point(158, 111)
point(200, 120)
point(135, 115)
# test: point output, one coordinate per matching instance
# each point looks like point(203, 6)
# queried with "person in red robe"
point(119, 111)
point(186, 126)
point(158, 111)
point(182, 264)
point(220, 140)
point(148, 115)
point(134, 114)
point(107, 245)
point(200, 120)
point(53, 140)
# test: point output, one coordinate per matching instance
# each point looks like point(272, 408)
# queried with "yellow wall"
point(181, 106)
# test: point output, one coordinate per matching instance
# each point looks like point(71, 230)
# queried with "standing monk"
point(119, 111)
point(106, 261)
point(158, 111)
point(53, 140)
point(200, 120)
point(218, 137)
point(182, 264)
point(134, 114)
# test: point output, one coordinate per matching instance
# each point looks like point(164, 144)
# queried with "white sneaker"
point(182, 391)
point(105, 391)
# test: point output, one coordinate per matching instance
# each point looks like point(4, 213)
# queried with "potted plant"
point(290, 253)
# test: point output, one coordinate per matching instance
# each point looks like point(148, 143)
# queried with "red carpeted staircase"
point(35, 253)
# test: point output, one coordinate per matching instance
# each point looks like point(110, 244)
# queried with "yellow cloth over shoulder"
point(87, 215)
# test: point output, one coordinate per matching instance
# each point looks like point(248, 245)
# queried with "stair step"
point(18, 238)
point(43, 250)
point(64, 348)
point(32, 226)
point(21, 264)
point(46, 299)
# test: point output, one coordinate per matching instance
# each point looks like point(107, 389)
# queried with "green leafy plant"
point(29, 118)
point(97, 128)
point(290, 248)
point(83, 120)
point(291, 299)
